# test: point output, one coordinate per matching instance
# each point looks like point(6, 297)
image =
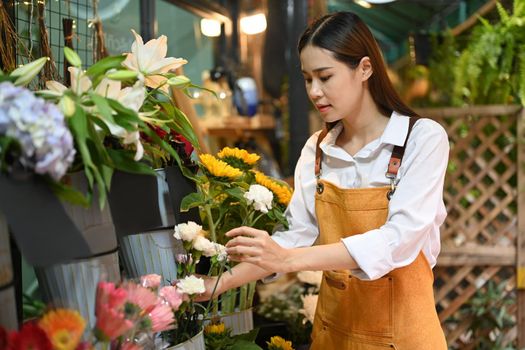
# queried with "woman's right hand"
point(209, 284)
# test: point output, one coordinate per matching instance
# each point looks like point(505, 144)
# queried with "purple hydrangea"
point(39, 127)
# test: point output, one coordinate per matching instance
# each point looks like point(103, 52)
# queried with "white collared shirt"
point(416, 210)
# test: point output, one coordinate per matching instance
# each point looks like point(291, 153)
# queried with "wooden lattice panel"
point(479, 235)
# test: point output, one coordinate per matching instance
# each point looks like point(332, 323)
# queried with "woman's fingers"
point(243, 250)
point(245, 231)
point(240, 240)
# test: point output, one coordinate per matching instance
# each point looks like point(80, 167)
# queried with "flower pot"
point(140, 203)
point(195, 343)
point(37, 221)
point(151, 252)
point(240, 322)
point(73, 284)
point(8, 316)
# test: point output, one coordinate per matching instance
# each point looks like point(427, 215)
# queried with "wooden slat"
point(481, 111)
point(477, 255)
point(520, 244)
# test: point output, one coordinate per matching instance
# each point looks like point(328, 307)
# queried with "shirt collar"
point(395, 132)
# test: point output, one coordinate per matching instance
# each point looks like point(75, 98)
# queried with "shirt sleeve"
point(414, 209)
point(303, 230)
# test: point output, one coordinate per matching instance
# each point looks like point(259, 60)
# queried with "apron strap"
point(398, 152)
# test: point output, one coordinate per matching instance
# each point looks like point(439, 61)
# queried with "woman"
point(369, 190)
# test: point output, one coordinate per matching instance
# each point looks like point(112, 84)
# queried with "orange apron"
point(396, 311)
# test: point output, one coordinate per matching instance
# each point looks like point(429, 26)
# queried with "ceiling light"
point(210, 27)
point(363, 3)
point(254, 24)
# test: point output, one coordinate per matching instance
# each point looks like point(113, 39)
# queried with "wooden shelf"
point(238, 126)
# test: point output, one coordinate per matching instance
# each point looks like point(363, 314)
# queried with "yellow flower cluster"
point(218, 328)
point(283, 193)
point(241, 154)
point(63, 327)
point(278, 343)
point(219, 168)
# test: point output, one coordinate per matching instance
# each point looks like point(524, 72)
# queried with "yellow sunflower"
point(240, 154)
point(219, 168)
point(64, 328)
point(282, 192)
point(278, 343)
point(218, 328)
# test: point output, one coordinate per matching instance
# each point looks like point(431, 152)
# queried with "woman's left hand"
point(256, 247)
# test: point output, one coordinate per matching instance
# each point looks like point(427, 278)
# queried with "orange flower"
point(63, 327)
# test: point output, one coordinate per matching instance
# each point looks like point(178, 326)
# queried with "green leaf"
point(72, 57)
point(236, 192)
point(245, 345)
point(250, 336)
point(105, 64)
point(192, 200)
point(179, 81)
point(69, 194)
point(123, 160)
point(126, 117)
point(103, 107)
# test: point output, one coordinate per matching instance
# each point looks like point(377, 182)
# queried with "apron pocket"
point(370, 345)
point(371, 306)
point(354, 306)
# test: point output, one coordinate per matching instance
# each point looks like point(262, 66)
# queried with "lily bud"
point(27, 72)
point(180, 81)
point(72, 57)
point(122, 75)
point(67, 106)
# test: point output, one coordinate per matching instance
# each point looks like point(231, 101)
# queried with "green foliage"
point(226, 341)
point(492, 316)
point(285, 307)
point(491, 69)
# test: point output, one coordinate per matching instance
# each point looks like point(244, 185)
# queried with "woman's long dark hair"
point(349, 39)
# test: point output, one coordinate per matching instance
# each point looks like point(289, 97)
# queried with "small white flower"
point(204, 245)
point(191, 285)
point(187, 231)
point(260, 197)
point(309, 306)
point(221, 252)
point(311, 277)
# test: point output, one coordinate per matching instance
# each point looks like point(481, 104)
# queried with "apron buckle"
point(320, 187)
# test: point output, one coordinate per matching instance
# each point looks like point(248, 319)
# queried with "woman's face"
point(335, 89)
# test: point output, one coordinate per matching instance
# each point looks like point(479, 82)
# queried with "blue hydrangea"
point(39, 127)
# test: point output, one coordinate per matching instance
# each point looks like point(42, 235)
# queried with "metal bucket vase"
point(195, 343)
point(145, 209)
point(145, 241)
point(74, 284)
point(150, 252)
point(8, 315)
point(236, 308)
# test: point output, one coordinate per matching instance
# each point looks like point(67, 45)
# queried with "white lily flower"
point(80, 83)
point(130, 97)
point(150, 60)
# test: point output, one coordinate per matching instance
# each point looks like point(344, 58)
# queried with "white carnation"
point(191, 285)
point(204, 245)
point(187, 231)
point(260, 197)
point(309, 306)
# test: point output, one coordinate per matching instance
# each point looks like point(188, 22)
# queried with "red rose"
point(30, 337)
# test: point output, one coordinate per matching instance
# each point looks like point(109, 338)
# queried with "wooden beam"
point(487, 110)
point(520, 244)
point(476, 255)
point(460, 28)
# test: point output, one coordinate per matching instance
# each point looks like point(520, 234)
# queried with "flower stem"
point(211, 224)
